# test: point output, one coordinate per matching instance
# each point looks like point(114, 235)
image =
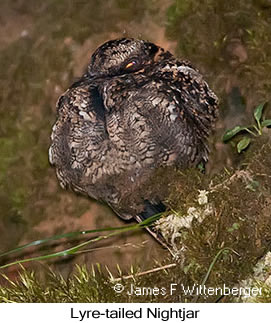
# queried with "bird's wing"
point(189, 108)
point(195, 100)
point(163, 117)
point(77, 134)
point(81, 149)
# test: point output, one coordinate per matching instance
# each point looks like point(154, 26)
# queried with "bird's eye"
point(130, 64)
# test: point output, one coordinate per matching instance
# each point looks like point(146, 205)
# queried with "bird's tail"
point(151, 209)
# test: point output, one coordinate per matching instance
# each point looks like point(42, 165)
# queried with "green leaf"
point(201, 167)
point(232, 132)
point(243, 144)
point(259, 111)
point(234, 227)
point(253, 186)
point(266, 123)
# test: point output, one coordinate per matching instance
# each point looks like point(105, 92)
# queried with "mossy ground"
point(45, 47)
point(239, 223)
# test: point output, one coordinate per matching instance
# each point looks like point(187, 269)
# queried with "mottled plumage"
point(136, 109)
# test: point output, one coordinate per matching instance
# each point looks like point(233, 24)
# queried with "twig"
point(238, 174)
point(128, 244)
point(264, 175)
point(145, 272)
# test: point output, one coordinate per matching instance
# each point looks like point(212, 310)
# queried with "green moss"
point(240, 221)
point(36, 68)
point(225, 38)
point(265, 296)
point(222, 247)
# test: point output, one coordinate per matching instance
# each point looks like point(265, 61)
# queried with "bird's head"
point(121, 56)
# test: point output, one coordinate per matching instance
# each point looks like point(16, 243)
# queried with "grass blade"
point(73, 250)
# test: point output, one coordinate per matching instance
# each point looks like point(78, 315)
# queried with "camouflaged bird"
point(136, 109)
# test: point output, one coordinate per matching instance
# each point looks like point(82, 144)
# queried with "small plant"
point(254, 130)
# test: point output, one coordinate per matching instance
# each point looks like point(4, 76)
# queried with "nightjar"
point(136, 109)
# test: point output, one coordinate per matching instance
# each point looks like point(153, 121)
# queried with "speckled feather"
point(122, 121)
